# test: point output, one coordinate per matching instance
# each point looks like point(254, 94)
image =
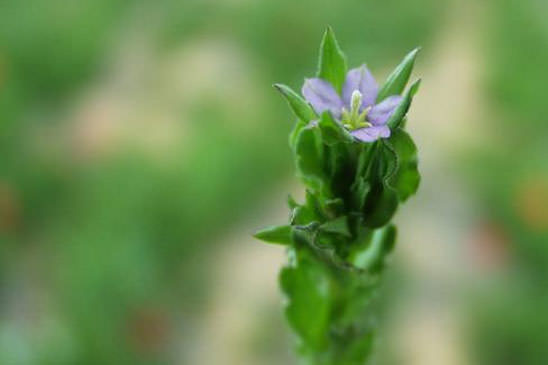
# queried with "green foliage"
point(332, 66)
point(340, 236)
point(396, 119)
point(396, 81)
point(307, 285)
point(300, 107)
point(309, 155)
point(405, 180)
point(275, 234)
point(371, 257)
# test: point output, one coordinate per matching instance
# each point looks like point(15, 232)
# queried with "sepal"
point(396, 81)
point(300, 107)
point(332, 64)
point(396, 119)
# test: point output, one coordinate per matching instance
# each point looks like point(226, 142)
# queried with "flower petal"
point(322, 96)
point(380, 113)
point(360, 79)
point(371, 134)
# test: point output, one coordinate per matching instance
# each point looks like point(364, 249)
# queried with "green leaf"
point(357, 350)
point(307, 287)
point(303, 215)
point(381, 205)
point(275, 234)
point(291, 202)
point(360, 189)
point(394, 177)
point(312, 201)
point(338, 226)
point(333, 207)
point(332, 66)
point(402, 109)
point(381, 200)
point(336, 165)
point(379, 245)
point(366, 159)
point(396, 81)
point(309, 154)
point(388, 162)
point(308, 212)
point(295, 133)
point(300, 107)
point(405, 181)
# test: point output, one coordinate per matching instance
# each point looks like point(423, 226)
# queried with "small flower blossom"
point(355, 109)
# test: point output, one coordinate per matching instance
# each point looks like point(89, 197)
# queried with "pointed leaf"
point(291, 202)
point(300, 107)
point(402, 109)
point(338, 226)
point(312, 201)
point(396, 81)
point(275, 234)
point(302, 215)
point(332, 66)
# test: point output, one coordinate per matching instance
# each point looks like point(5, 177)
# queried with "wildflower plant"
point(358, 164)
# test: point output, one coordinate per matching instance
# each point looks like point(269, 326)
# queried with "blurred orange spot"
point(149, 330)
point(489, 246)
point(95, 129)
point(531, 203)
point(9, 209)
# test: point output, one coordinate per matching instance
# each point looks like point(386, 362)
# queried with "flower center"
point(354, 119)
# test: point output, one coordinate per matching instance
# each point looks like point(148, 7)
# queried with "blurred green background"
point(141, 144)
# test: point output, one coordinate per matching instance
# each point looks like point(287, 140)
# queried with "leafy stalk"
point(339, 237)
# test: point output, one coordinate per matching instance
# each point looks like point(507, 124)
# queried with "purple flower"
point(355, 109)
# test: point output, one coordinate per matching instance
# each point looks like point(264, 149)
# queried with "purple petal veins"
point(322, 96)
point(362, 80)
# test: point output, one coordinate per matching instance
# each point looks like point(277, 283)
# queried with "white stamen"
point(356, 100)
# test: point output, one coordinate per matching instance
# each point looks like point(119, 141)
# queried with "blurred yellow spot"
point(531, 202)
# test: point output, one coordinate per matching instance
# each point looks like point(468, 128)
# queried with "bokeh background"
point(141, 144)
